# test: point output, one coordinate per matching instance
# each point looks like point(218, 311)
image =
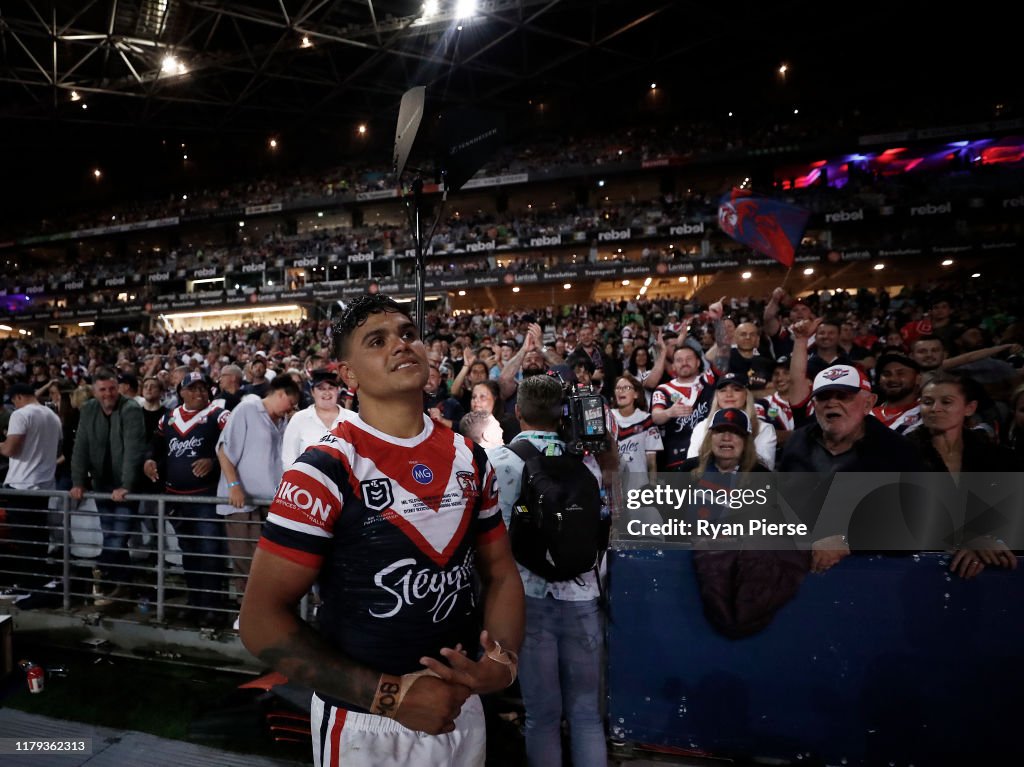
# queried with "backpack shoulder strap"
point(524, 449)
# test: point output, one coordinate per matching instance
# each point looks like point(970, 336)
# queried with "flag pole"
point(786, 278)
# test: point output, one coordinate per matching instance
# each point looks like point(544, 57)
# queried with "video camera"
point(583, 427)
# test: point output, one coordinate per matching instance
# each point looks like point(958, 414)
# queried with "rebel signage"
point(932, 210)
point(250, 268)
point(545, 241)
point(114, 281)
point(476, 247)
point(207, 272)
point(76, 285)
point(159, 276)
point(1014, 202)
point(843, 216)
point(360, 258)
point(304, 262)
point(683, 229)
point(613, 235)
point(33, 289)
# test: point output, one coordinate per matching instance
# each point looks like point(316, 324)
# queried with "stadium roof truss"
point(247, 66)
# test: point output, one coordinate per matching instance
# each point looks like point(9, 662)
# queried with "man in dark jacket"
point(109, 449)
point(844, 437)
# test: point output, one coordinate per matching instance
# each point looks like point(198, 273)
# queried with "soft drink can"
point(35, 676)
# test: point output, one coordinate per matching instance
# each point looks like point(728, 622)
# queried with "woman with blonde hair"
point(727, 446)
point(732, 390)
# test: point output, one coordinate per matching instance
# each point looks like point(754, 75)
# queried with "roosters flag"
point(768, 226)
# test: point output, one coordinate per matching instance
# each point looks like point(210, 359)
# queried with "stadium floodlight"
point(464, 9)
point(171, 66)
point(430, 8)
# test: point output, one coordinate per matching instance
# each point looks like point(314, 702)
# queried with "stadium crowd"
point(923, 380)
point(675, 350)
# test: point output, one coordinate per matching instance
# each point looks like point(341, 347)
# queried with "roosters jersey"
point(900, 421)
point(183, 437)
point(392, 525)
point(636, 436)
point(676, 433)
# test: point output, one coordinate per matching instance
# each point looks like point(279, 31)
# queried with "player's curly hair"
point(356, 315)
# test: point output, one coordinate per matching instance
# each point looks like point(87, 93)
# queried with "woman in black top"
point(945, 444)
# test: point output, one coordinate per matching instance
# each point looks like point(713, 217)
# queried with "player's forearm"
point(289, 646)
point(505, 608)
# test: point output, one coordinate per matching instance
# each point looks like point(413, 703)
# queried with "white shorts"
point(343, 738)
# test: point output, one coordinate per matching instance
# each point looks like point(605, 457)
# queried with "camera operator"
point(564, 621)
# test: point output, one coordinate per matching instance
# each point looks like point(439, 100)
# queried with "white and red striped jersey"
point(900, 421)
point(392, 525)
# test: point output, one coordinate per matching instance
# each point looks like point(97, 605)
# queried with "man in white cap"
point(844, 437)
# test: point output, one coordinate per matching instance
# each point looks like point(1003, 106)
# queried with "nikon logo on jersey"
point(300, 498)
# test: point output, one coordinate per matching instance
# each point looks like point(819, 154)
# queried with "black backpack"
point(557, 530)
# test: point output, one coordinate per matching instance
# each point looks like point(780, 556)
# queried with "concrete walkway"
point(114, 748)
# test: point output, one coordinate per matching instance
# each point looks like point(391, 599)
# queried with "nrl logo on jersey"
point(377, 493)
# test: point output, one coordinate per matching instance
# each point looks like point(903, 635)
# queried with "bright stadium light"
point(464, 9)
point(430, 8)
point(171, 66)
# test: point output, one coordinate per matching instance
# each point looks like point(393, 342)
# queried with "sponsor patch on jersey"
point(377, 493)
point(422, 474)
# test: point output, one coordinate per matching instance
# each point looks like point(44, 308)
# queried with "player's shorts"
point(343, 738)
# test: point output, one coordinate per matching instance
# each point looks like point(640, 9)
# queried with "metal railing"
point(71, 525)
